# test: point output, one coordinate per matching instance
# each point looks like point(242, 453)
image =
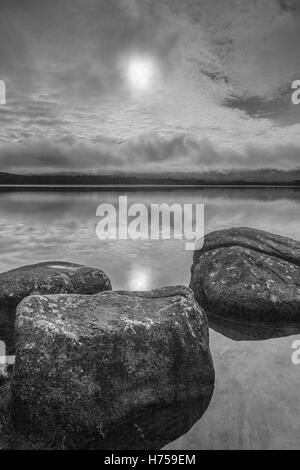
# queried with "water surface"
point(256, 401)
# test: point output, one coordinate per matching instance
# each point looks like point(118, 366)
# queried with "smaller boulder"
point(44, 278)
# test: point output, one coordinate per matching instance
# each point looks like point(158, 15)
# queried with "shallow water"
point(256, 401)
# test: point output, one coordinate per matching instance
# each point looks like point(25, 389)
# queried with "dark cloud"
point(150, 153)
point(281, 110)
point(289, 5)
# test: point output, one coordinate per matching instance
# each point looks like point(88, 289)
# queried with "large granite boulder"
point(86, 365)
point(246, 276)
point(44, 278)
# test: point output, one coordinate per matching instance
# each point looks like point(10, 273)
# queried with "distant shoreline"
point(146, 186)
point(130, 181)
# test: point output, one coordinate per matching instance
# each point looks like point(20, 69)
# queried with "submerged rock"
point(156, 429)
point(251, 331)
point(44, 278)
point(248, 277)
point(86, 365)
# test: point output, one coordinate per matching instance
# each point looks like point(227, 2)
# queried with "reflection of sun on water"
point(139, 279)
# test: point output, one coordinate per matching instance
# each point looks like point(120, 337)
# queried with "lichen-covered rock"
point(250, 276)
point(87, 364)
point(44, 278)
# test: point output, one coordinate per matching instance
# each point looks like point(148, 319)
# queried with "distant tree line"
point(210, 179)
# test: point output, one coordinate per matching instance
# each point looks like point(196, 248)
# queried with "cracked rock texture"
point(250, 276)
point(86, 364)
point(45, 278)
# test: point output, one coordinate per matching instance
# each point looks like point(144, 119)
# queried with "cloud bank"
point(148, 153)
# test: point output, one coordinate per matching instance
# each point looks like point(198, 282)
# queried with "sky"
point(149, 85)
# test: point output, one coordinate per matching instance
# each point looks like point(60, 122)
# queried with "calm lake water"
point(256, 401)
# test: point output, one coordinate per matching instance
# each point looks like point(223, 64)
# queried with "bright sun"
point(141, 73)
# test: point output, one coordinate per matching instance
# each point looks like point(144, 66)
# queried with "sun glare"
point(139, 280)
point(141, 73)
